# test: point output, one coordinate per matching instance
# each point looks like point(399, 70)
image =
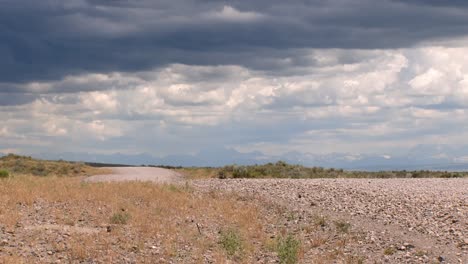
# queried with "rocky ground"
point(63, 220)
point(390, 220)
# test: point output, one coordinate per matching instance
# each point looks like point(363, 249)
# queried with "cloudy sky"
point(173, 77)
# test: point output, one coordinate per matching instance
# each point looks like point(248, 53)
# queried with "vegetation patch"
point(231, 241)
point(22, 165)
point(282, 169)
point(342, 226)
point(195, 173)
point(4, 174)
point(320, 220)
point(120, 218)
point(288, 249)
point(389, 251)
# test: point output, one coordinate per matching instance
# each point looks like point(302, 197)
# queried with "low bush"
point(288, 249)
point(4, 174)
point(389, 251)
point(320, 221)
point(120, 218)
point(342, 226)
point(231, 242)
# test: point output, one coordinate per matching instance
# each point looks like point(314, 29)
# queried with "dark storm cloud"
point(435, 2)
point(47, 40)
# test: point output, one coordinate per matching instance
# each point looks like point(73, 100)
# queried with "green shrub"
point(241, 172)
point(39, 170)
point(288, 249)
point(231, 241)
point(222, 174)
point(120, 218)
point(4, 174)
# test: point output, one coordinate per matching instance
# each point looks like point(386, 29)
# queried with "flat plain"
point(197, 218)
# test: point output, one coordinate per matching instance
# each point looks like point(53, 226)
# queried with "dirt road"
point(151, 174)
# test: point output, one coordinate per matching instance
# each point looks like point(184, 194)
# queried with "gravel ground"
point(412, 220)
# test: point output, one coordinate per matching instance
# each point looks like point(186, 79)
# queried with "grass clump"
point(4, 174)
point(320, 220)
point(120, 218)
point(342, 226)
point(287, 249)
point(389, 251)
point(231, 242)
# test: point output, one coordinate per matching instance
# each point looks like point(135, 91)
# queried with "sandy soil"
point(151, 174)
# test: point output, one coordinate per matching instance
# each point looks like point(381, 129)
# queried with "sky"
point(171, 77)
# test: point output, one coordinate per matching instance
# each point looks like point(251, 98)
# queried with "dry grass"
point(317, 241)
point(199, 173)
point(390, 251)
point(161, 221)
point(320, 220)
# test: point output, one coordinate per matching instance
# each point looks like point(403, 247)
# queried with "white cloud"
point(379, 101)
point(54, 129)
point(423, 80)
point(100, 102)
point(103, 129)
point(231, 14)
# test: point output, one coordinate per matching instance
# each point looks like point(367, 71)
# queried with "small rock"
point(50, 252)
point(408, 245)
point(441, 259)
